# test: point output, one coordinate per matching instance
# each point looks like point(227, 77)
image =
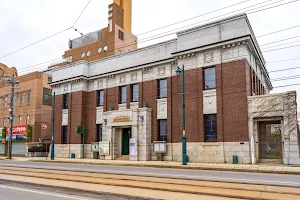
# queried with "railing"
point(85, 39)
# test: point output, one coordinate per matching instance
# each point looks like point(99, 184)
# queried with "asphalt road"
point(18, 191)
point(209, 175)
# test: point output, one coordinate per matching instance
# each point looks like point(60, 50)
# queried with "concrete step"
point(123, 157)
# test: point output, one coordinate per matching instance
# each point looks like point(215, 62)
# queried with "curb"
point(253, 170)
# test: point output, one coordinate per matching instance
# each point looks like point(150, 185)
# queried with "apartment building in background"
point(32, 108)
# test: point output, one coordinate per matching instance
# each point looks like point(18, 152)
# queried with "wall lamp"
point(142, 118)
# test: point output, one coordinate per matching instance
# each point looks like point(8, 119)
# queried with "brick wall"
point(90, 116)
point(58, 119)
point(150, 97)
point(112, 98)
point(233, 85)
point(232, 108)
point(193, 106)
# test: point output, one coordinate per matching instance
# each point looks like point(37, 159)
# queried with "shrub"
point(37, 149)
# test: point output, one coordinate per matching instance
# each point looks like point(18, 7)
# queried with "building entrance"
point(126, 134)
point(270, 147)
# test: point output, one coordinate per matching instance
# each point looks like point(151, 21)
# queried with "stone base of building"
point(208, 152)
point(201, 152)
point(65, 151)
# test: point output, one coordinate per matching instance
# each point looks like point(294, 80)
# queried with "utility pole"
point(13, 82)
point(52, 127)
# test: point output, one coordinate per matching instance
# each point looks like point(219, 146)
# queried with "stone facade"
point(282, 107)
point(208, 152)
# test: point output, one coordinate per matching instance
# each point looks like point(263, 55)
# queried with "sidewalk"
point(263, 168)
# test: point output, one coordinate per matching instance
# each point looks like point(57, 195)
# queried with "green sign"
point(80, 130)
point(3, 134)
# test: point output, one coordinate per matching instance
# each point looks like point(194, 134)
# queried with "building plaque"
point(104, 148)
point(121, 119)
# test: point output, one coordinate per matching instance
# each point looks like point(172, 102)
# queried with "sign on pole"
point(44, 126)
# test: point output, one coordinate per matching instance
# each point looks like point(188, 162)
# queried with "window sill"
point(210, 143)
point(209, 89)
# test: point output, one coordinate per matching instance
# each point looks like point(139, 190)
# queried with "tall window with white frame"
point(135, 92)
point(64, 135)
point(4, 122)
point(100, 98)
point(211, 128)
point(65, 101)
point(123, 94)
point(99, 133)
point(162, 88)
point(209, 78)
point(163, 130)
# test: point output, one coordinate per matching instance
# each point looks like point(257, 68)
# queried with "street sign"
point(44, 126)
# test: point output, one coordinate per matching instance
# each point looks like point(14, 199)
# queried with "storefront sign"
point(132, 147)
point(121, 119)
point(95, 147)
point(18, 132)
point(104, 148)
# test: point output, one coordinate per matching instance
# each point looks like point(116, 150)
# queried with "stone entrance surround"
point(280, 106)
point(139, 120)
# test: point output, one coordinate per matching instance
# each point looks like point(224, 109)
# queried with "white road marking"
point(46, 193)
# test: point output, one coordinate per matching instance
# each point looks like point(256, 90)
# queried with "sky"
point(25, 22)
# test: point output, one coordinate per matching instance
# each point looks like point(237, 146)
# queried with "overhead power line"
point(140, 34)
point(279, 31)
point(282, 48)
point(81, 13)
point(279, 40)
point(286, 60)
point(35, 43)
point(46, 37)
point(228, 13)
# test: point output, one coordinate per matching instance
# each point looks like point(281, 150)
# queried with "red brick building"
point(131, 100)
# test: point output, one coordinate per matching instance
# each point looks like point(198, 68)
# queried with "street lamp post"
point(184, 157)
point(52, 127)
